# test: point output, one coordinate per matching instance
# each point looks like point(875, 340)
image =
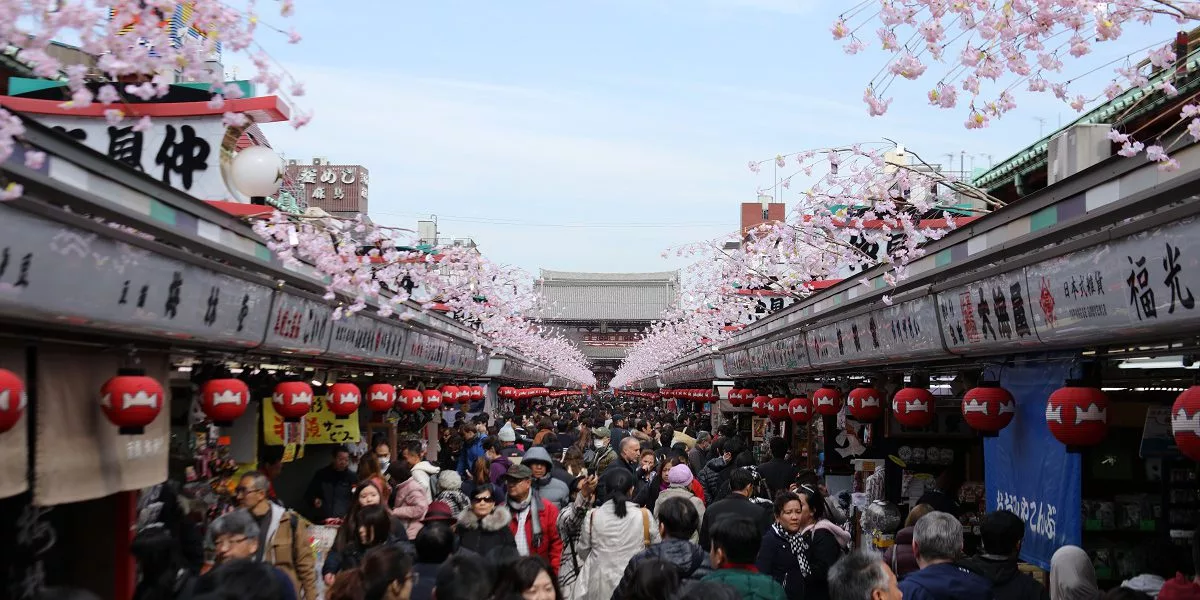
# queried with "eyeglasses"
point(229, 542)
point(241, 491)
point(488, 499)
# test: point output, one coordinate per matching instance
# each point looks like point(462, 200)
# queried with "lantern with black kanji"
point(343, 399)
point(381, 397)
point(865, 404)
point(1185, 422)
point(434, 400)
point(827, 401)
point(988, 408)
point(131, 400)
point(800, 409)
point(1077, 415)
point(777, 409)
point(224, 400)
point(292, 400)
point(761, 405)
point(410, 400)
point(449, 394)
point(12, 399)
point(914, 406)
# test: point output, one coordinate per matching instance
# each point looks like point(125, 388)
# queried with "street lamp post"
point(257, 172)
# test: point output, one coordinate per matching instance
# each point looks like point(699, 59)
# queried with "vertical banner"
point(1028, 471)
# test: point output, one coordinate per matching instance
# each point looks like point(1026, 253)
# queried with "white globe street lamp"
point(257, 172)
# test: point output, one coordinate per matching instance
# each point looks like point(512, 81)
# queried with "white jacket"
point(606, 543)
point(422, 471)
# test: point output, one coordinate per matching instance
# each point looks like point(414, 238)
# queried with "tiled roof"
point(603, 351)
point(607, 296)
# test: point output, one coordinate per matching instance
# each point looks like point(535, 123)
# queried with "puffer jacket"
point(691, 561)
point(547, 488)
point(485, 535)
point(749, 584)
point(412, 500)
point(686, 494)
point(422, 472)
point(711, 477)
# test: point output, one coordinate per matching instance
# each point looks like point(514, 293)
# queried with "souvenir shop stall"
point(1038, 360)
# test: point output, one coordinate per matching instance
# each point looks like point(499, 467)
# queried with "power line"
point(521, 223)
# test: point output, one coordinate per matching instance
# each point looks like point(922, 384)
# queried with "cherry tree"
point(989, 52)
point(139, 54)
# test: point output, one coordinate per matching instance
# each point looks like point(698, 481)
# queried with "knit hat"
point(507, 434)
point(449, 480)
point(439, 511)
point(679, 476)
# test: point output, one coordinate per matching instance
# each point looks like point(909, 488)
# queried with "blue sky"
point(594, 134)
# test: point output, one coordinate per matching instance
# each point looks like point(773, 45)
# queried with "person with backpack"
point(283, 535)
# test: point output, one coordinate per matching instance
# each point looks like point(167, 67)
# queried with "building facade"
point(340, 190)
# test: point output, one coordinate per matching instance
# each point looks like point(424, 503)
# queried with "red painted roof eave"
point(263, 109)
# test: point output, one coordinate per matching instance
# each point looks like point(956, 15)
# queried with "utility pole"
point(1041, 126)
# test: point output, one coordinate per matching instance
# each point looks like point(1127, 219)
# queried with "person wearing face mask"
point(604, 455)
point(383, 454)
point(782, 546)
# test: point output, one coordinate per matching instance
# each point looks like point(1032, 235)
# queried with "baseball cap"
point(518, 472)
point(601, 432)
point(439, 511)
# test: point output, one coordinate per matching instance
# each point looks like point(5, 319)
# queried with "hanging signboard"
point(461, 358)
point(908, 330)
point(737, 364)
point(1130, 286)
point(363, 338)
point(783, 355)
point(987, 315)
point(299, 325)
point(53, 272)
point(850, 341)
point(1028, 471)
point(320, 426)
point(426, 351)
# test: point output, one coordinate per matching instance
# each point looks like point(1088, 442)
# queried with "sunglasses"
point(482, 499)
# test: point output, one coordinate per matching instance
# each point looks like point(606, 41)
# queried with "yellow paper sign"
point(320, 426)
point(289, 453)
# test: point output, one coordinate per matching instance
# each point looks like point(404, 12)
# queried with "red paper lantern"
point(224, 400)
point(477, 392)
point(343, 399)
point(761, 405)
point(131, 400)
point(292, 400)
point(748, 396)
point(827, 401)
point(381, 397)
point(12, 399)
point(988, 408)
point(800, 409)
point(1078, 415)
point(735, 396)
point(434, 400)
point(508, 393)
point(449, 394)
point(777, 409)
point(866, 404)
point(1185, 422)
point(412, 400)
point(913, 407)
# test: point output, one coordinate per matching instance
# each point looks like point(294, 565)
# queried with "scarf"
point(516, 506)
point(796, 543)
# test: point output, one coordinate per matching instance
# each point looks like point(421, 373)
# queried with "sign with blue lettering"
point(1029, 472)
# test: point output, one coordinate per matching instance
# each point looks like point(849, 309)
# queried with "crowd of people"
point(580, 501)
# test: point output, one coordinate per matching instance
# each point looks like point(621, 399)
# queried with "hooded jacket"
point(547, 487)
point(691, 561)
point(946, 581)
point(422, 472)
point(485, 535)
point(470, 453)
point(686, 493)
point(1008, 582)
point(412, 500)
point(826, 544)
point(499, 467)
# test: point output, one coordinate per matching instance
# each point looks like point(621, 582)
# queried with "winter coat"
point(547, 488)
point(411, 503)
point(550, 547)
point(570, 523)
point(602, 459)
point(426, 575)
point(608, 542)
point(470, 452)
point(691, 561)
point(422, 472)
point(349, 556)
point(776, 559)
point(540, 436)
point(826, 544)
point(482, 536)
point(697, 458)
point(288, 550)
point(900, 556)
point(779, 474)
point(749, 585)
point(686, 494)
point(498, 468)
point(1008, 582)
point(335, 490)
point(946, 581)
point(715, 472)
point(734, 505)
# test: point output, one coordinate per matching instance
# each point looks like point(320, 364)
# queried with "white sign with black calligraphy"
point(990, 314)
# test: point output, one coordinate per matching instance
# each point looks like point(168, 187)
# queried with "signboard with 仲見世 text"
point(320, 426)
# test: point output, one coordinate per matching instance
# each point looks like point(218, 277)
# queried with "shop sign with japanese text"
point(364, 338)
point(320, 426)
point(990, 314)
point(63, 274)
point(335, 188)
point(1129, 286)
point(908, 329)
point(425, 350)
point(299, 325)
point(848, 341)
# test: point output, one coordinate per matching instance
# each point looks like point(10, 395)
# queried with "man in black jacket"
point(331, 492)
point(1002, 533)
point(778, 472)
point(677, 521)
point(741, 482)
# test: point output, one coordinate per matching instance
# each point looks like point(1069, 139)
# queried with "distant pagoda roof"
point(571, 296)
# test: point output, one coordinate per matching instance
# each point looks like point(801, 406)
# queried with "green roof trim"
point(24, 85)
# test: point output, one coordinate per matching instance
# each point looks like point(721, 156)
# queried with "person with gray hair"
point(235, 536)
point(937, 543)
point(862, 575)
